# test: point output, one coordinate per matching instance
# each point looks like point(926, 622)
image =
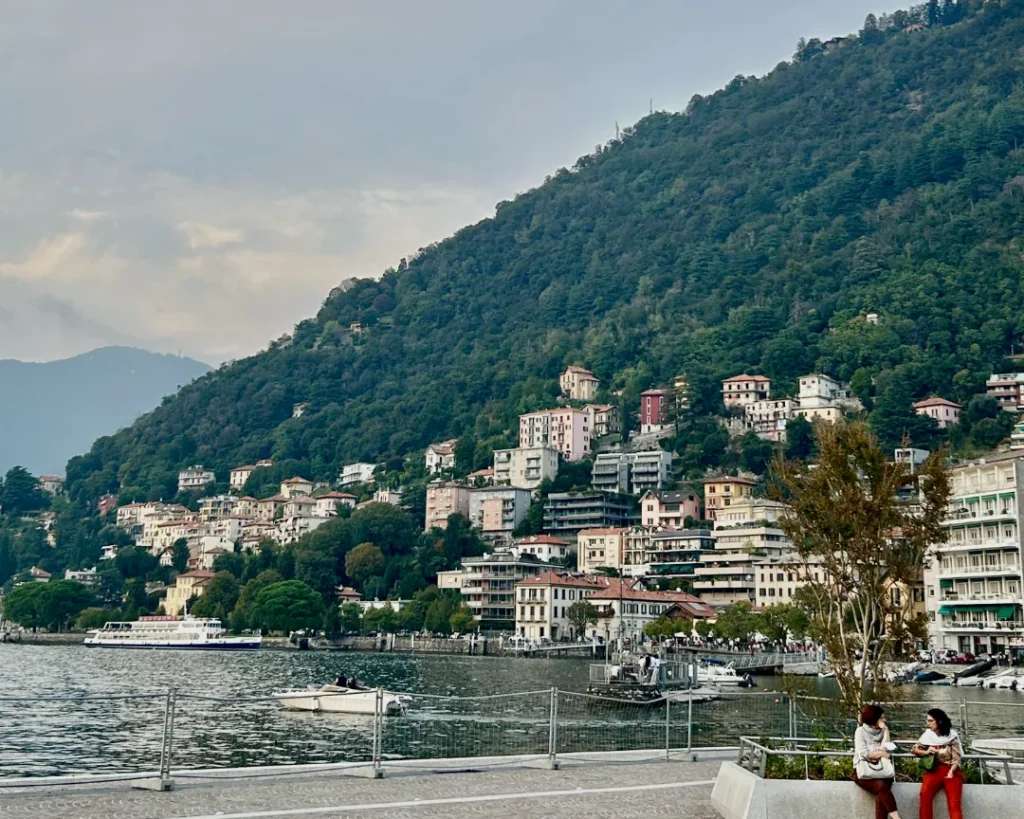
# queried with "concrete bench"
point(740, 794)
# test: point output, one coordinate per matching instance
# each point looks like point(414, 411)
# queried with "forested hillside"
point(749, 233)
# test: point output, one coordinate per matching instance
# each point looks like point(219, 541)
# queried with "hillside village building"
point(444, 499)
point(723, 491)
point(488, 586)
point(778, 579)
point(51, 484)
point(296, 487)
point(670, 509)
point(676, 553)
point(525, 467)
point(944, 413)
point(655, 409)
point(497, 510)
point(186, 586)
point(240, 475)
point(600, 548)
point(1007, 389)
point(440, 457)
point(195, 479)
point(604, 419)
point(543, 547)
point(625, 607)
point(726, 573)
point(744, 389)
point(565, 429)
point(631, 473)
point(823, 398)
point(973, 580)
point(331, 503)
point(768, 418)
point(578, 383)
point(567, 513)
point(351, 474)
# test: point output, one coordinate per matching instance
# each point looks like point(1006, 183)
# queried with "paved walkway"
point(595, 790)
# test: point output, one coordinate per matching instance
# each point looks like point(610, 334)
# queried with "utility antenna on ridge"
point(651, 111)
point(616, 129)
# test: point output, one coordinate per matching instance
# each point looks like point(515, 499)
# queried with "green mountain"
point(882, 173)
point(52, 410)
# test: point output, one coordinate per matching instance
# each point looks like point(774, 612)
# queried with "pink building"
point(444, 499)
point(669, 510)
point(654, 407)
point(566, 429)
point(946, 413)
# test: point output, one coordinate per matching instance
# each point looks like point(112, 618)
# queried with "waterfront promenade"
point(605, 787)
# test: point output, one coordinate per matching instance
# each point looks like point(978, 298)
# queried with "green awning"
point(945, 584)
point(1006, 612)
point(945, 610)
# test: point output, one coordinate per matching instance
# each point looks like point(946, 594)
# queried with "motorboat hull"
point(211, 645)
point(335, 700)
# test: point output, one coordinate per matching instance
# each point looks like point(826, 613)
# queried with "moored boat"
point(170, 632)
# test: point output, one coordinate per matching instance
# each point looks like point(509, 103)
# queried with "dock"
point(595, 786)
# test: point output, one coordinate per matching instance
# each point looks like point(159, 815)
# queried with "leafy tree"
point(776, 622)
point(438, 616)
point(50, 605)
point(26, 604)
point(94, 617)
point(180, 554)
point(737, 622)
point(799, 439)
point(581, 614)
point(665, 628)
point(363, 562)
point(383, 620)
point(846, 514)
point(221, 597)
point(462, 620)
point(241, 615)
point(289, 605)
point(20, 492)
point(332, 622)
point(133, 562)
point(351, 617)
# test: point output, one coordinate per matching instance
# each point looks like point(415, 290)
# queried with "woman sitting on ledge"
point(872, 766)
point(939, 750)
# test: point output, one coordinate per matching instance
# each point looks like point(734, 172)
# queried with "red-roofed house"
point(638, 608)
point(296, 487)
point(543, 603)
point(543, 547)
point(946, 413)
point(327, 506)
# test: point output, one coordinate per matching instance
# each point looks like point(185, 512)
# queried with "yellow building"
point(186, 586)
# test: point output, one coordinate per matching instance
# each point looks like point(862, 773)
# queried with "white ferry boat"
point(170, 632)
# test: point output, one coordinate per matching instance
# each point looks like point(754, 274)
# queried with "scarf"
point(929, 737)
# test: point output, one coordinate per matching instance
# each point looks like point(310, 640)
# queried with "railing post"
point(167, 741)
point(553, 731)
point(792, 715)
point(689, 720)
point(964, 724)
point(668, 729)
point(378, 727)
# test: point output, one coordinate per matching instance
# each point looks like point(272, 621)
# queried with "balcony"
point(979, 570)
point(994, 598)
point(985, 626)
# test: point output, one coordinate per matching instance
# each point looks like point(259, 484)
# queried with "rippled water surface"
point(219, 724)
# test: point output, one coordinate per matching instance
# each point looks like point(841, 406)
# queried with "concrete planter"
point(740, 794)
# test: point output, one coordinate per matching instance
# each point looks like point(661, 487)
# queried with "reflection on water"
point(40, 737)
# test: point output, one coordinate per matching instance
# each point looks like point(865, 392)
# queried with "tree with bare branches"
point(868, 523)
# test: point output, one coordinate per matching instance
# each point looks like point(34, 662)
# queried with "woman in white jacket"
point(872, 764)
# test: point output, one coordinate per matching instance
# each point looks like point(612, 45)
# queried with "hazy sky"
point(195, 176)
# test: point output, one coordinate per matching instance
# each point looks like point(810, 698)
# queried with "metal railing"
point(192, 735)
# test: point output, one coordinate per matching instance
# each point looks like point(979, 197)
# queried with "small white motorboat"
point(721, 675)
point(335, 699)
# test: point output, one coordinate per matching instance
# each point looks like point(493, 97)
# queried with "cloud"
point(206, 237)
point(81, 215)
point(49, 259)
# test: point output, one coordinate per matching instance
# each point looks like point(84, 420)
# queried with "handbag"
point(882, 769)
point(927, 762)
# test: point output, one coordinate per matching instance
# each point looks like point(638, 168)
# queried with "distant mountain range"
point(53, 410)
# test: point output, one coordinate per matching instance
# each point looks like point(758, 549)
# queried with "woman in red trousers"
point(941, 750)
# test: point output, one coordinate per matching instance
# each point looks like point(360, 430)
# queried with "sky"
point(194, 177)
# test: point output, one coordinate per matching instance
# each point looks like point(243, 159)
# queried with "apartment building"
point(1007, 389)
point(296, 487)
point(726, 573)
point(497, 510)
point(240, 475)
point(352, 474)
point(823, 398)
point(217, 507)
point(722, 491)
point(973, 581)
point(525, 467)
point(444, 499)
point(676, 553)
point(565, 429)
point(543, 603)
point(600, 548)
point(578, 383)
point(330, 504)
point(632, 473)
point(670, 509)
point(568, 513)
point(604, 419)
point(777, 579)
point(195, 479)
point(186, 586)
point(488, 586)
point(744, 389)
point(636, 549)
point(768, 418)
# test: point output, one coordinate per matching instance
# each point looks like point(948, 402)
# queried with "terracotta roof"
point(202, 574)
point(694, 610)
point(599, 531)
point(628, 593)
point(657, 391)
point(336, 496)
point(936, 401)
point(745, 377)
point(553, 578)
point(296, 480)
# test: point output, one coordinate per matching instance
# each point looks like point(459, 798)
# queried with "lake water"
point(462, 706)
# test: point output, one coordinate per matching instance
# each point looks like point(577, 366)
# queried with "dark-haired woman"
point(941, 744)
point(871, 750)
